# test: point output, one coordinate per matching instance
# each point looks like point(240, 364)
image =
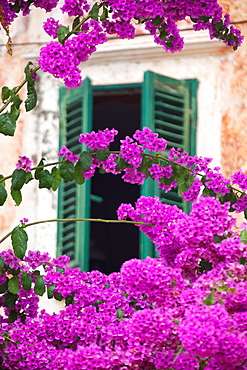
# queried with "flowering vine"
point(185, 309)
point(139, 158)
point(90, 26)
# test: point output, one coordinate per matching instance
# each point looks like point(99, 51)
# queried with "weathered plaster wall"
point(233, 105)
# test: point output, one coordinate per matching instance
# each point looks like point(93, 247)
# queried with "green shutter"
point(168, 108)
point(73, 199)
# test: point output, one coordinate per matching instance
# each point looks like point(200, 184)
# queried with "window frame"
point(146, 247)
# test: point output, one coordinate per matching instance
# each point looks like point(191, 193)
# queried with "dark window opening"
point(112, 244)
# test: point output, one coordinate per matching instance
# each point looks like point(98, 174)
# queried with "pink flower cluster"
point(158, 313)
point(151, 313)
point(157, 172)
point(160, 18)
point(24, 163)
point(67, 154)
point(182, 239)
point(51, 27)
point(131, 152)
point(136, 165)
point(150, 140)
point(99, 140)
point(62, 60)
point(240, 179)
point(75, 7)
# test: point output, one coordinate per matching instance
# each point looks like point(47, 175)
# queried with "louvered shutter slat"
point(73, 202)
point(167, 109)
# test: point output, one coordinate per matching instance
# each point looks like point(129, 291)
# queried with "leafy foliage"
point(19, 241)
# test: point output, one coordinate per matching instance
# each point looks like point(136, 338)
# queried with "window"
point(167, 106)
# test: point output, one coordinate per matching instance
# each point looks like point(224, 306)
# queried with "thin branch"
point(79, 25)
point(118, 152)
point(17, 89)
point(78, 219)
point(35, 168)
point(6, 337)
point(180, 348)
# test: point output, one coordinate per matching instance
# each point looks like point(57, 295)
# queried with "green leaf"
point(50, 290)
point(18, 179)
point(15, 99)
point(219, 26)
point(245, 214)
point(217, 239)
point(121, 164)
point(56, 178)
point(15, 112)
point(7, 124)
point(62, 32)
point(205, 19)
point(209, 299)
point(146, 163)
point(208, 192)
point(3, 194)
point(233, 199)
point(163, 34)
point(79, 178)
point(243, 236)
point(45, 179)
point(95, 12)
point(26, 281)
point(31, 100)
point(85, 161)
point(157, 21)
point(4, 287)
point(14, 271)
point(13, 315)
point(120, 315)
point(104, 15)
point(102, 154)
point(36, 272)
point(174, 283)
point(29, 177)
point(181, 174)
point(166, 181)
point(17, 197)
point(67, 171)
point(28, 74)
point(5, 93)
point(39, 287)
point(17, 7)
point(2, 182)
point(23, 317)
point(58, 297)
point(39, 170)
point(9, 300)
point(229, 197)
point(70, 299)
point(101, 170)
point(242, 261)
point(184, 183)
point(75, 24)
point(19, 241)
point(14, 285)
point(1, 262)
